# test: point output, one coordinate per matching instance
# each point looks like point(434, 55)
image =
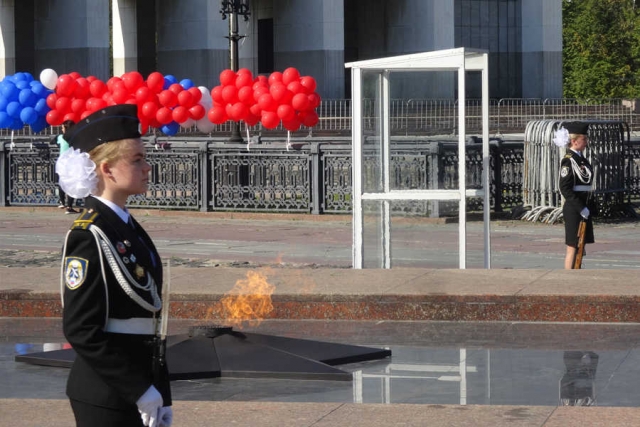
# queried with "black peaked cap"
point(578, 128)
point(109, 124)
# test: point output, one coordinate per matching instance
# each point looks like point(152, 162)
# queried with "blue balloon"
point(22, 84)
point(41, 107)
point(16, 124)
point(27, 98)
point(23, 348)
point(186, 83)
point(170, 129)
point(9, 91)
point(168, 81)
point(39, 89)
point(5, 120)
point(13, 109)
point(28, 115)
point(4, 102)
point(39, 124)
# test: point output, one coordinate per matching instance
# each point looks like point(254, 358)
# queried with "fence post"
point(316, 182)
point(206, 178)
point(4, 176)
point(496, 152)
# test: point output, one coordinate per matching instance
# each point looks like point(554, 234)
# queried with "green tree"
point(601, 49)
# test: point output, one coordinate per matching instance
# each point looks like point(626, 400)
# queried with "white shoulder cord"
point(585, 176)
point(119, 268)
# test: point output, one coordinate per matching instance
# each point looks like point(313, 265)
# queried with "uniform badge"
point(75, 271)
point(139, 271)
point(127, 243)
point(564, 171)
point(120, 247)
point(133, 258)
point(125, 260)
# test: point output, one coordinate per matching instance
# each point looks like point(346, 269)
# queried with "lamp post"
point(233, 8)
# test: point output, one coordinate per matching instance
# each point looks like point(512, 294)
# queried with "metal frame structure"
point(458, 60)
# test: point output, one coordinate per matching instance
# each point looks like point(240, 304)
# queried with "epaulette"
point(568, 156)
point(86, 218)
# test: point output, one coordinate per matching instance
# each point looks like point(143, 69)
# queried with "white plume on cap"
point(561, 137)
point(77, 173)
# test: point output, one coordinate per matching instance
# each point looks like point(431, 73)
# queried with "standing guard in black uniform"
point(111, 279)
point(576, 179)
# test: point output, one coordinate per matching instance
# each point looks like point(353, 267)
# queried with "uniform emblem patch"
point(75, 271)
point(120, 247)
point(565, 171)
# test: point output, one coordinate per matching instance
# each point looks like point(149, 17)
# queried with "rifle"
point(160, 339)
point(582, 231)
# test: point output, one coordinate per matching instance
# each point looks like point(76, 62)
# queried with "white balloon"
point(187, 123)
point(206, 93)
point(49, 78)
point(204, 125)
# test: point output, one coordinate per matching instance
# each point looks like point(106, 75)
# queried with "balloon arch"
point(163, 102)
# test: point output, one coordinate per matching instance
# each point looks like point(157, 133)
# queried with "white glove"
point(584, 213)
point(149, 405)
point(165, 415)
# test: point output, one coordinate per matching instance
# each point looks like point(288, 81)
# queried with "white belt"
point(581, 188)
point(134, 326)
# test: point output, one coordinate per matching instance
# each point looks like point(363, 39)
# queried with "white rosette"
point(561, 137)
point(77, 173)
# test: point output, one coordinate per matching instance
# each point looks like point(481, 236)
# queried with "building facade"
point(189, 39)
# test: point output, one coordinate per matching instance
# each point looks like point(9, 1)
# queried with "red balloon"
point(259, 91)
point(239, 111)
point(144, 126)
point(290, 75)
point(91, 79)
point(314, 100)
point(251, 119)
point(279, 92)
point(132, 80)
point(164, 116)
point(70, 116)
point(309, 84)
point(97, 88)
point(63, 105)
point(245, 95)
point(243, 80)
point(300, 102)
point(216, 94)
point(267, 103)
point(176, 88)
point(295, 87)
point(120, 96)
point(51, 100)
point(269, 119)
point(112, 81)
point(149, 109)
point(195, 93)
point(242, 71)
point(286, 112)
point(155, 82)
point(78, 105)
point(82, 88)
point(309, 118)
point(66, 85)
point(85, 114)
point(228, 109)
point(227, 77)
point(185, 99)
point(95, 104)
point(275, 77)
point(261, 80)
point(131, 101)
point(143, 94)
point(168, 99)
point(292, 125)
point(54, 118)
point(75, 75)
point(230, 94)
point(197, 112)
point(217, 115)
point(180, 114)
point(255, 110)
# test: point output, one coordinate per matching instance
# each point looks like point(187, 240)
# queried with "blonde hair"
point(110, 152)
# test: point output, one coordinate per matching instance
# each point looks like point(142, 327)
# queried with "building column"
point(125, 36)
point(7, 44)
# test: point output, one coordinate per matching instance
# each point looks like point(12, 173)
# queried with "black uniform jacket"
point(576, 196)
point(111, 369)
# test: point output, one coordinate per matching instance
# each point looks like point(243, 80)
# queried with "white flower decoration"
point(77, 173)
point(561, 137)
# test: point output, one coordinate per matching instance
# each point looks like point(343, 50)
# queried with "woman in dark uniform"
point(576, 178)
point(111, 279)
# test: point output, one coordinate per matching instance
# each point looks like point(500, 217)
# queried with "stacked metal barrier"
point(606, 153)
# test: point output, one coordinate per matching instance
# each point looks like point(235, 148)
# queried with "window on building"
point(265, 46)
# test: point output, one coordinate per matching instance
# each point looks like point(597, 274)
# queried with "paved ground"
point(525, 259)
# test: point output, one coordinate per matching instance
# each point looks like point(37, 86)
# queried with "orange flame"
point(249, 301)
